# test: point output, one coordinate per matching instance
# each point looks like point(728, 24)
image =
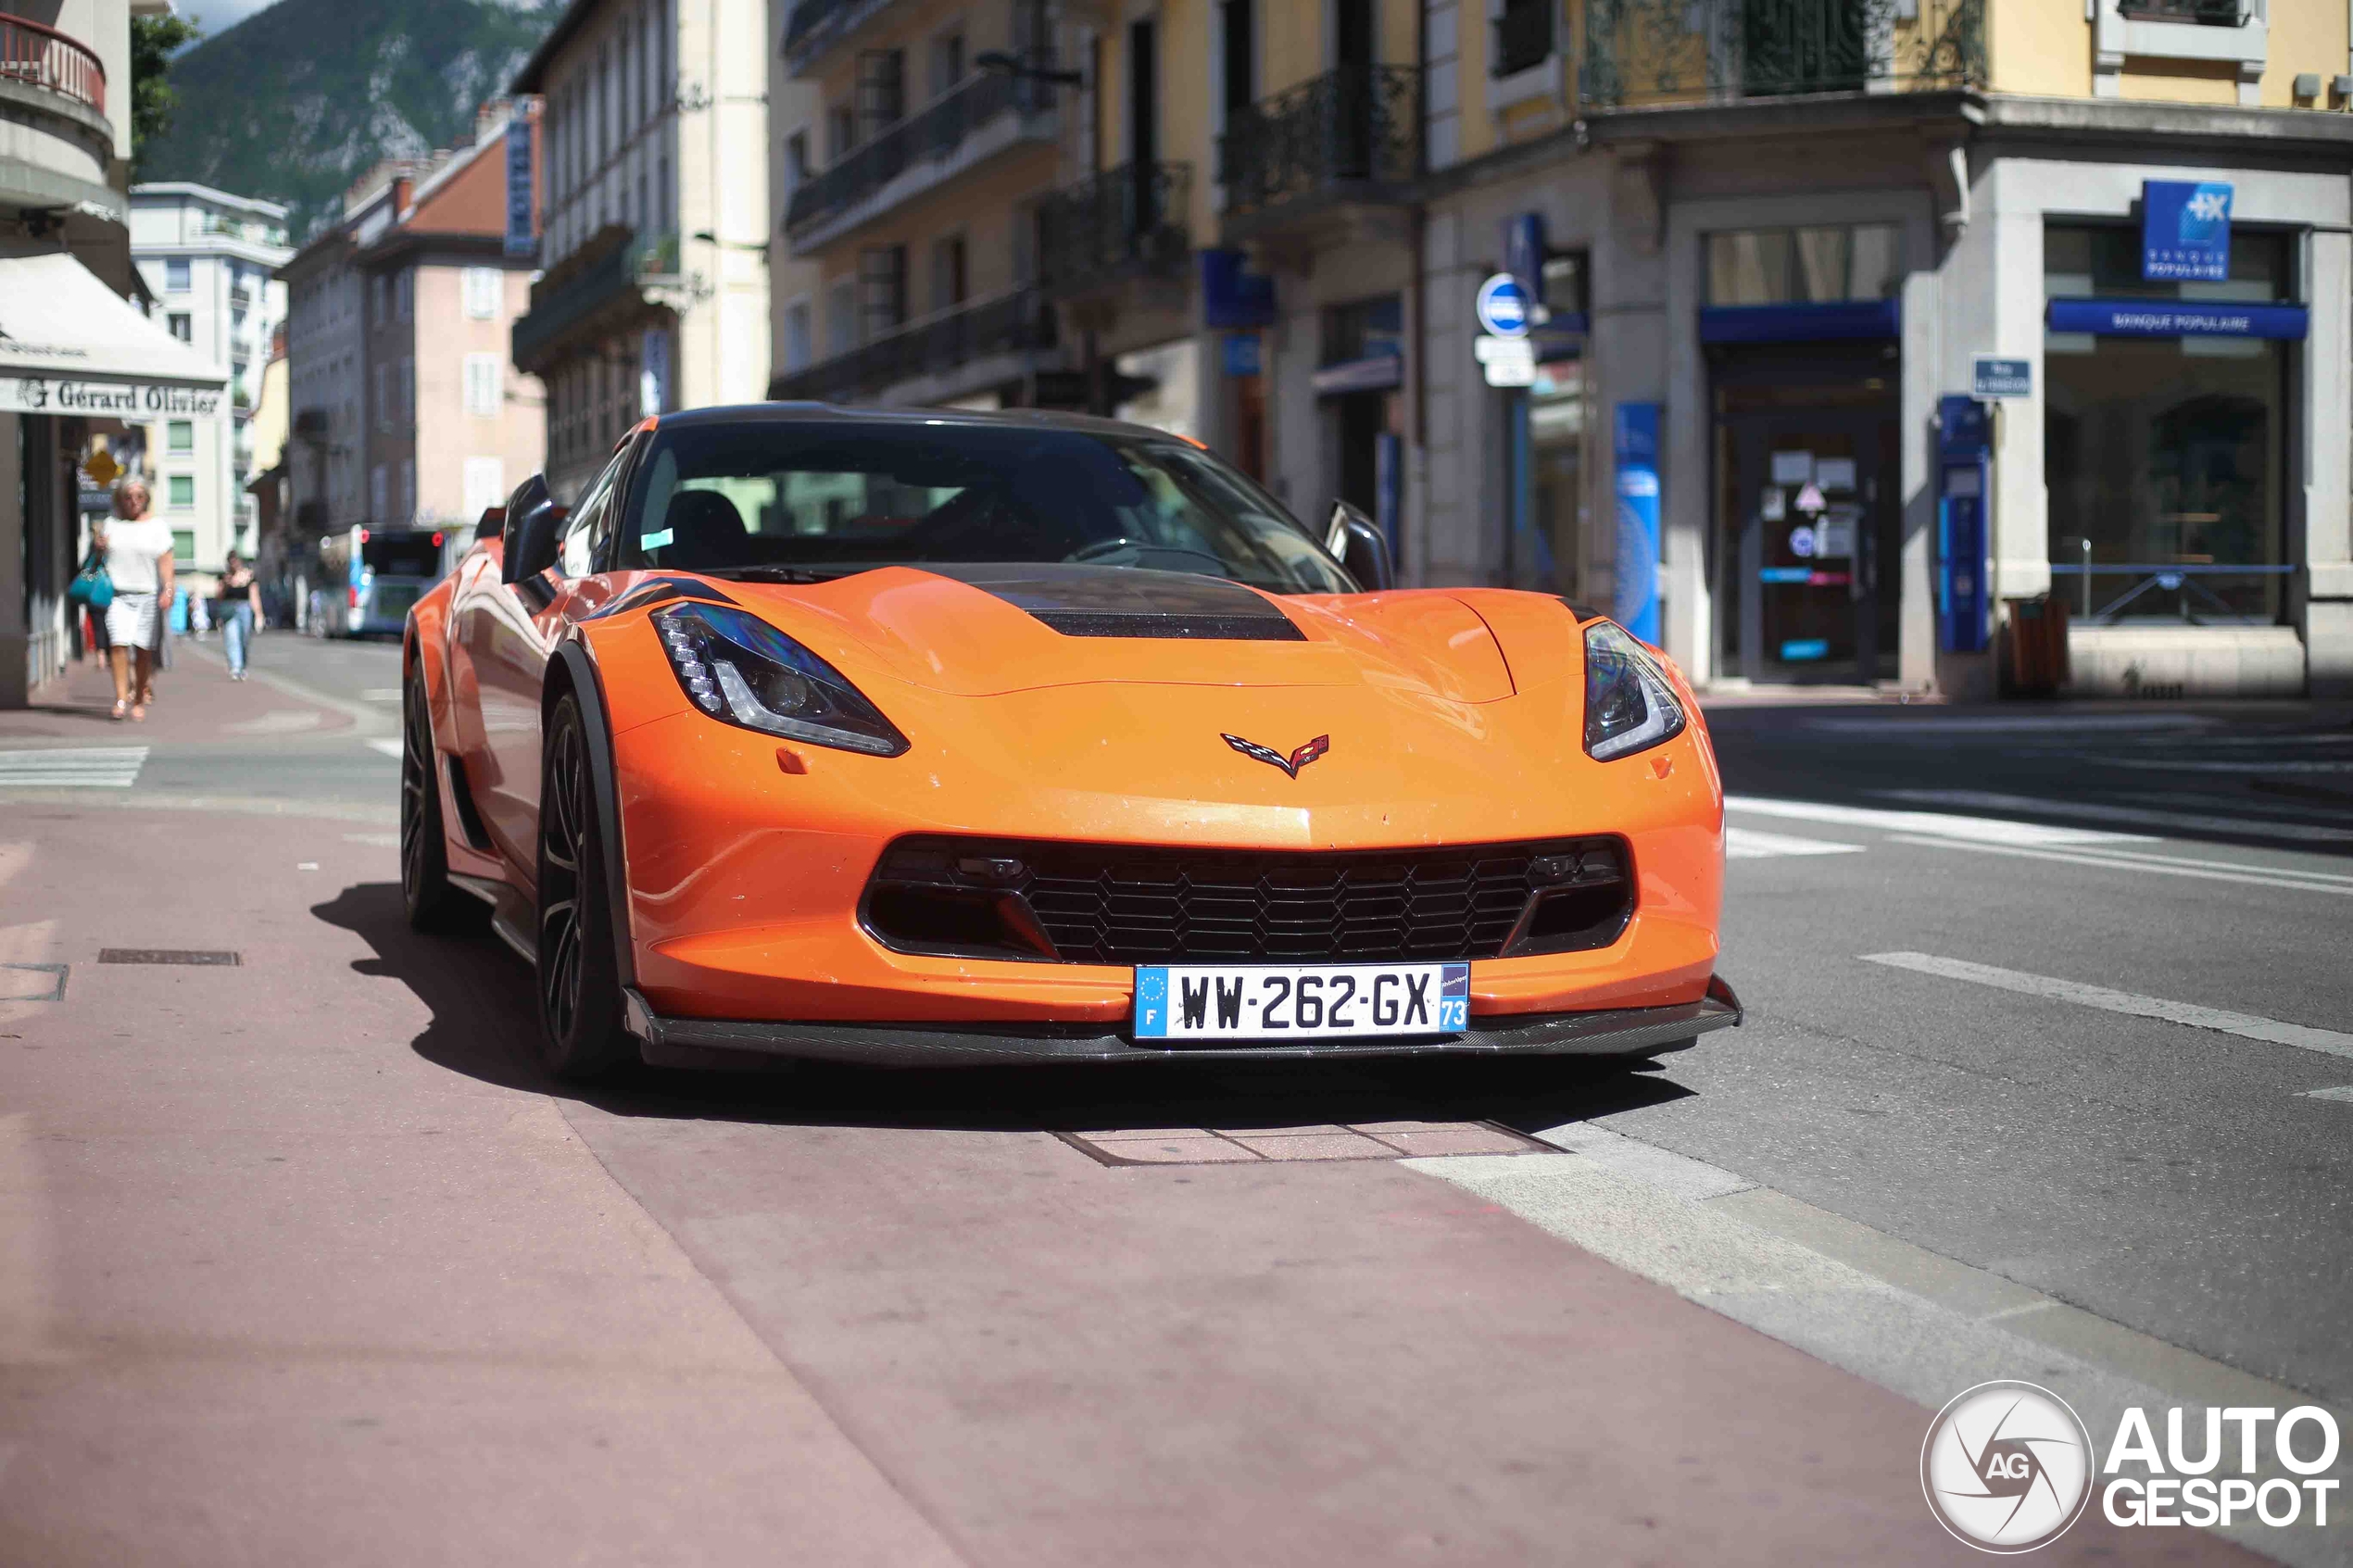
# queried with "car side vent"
point(469, 819)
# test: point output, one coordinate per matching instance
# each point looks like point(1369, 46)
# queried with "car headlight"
point(737, 667)
point(1630, 707)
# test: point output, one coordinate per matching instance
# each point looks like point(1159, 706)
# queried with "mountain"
point(296, 102)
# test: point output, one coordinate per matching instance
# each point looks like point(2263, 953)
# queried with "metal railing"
point(1523, 37)
point(2202, 13)
point(2163, 589)
point(1129, 219)
point(1356, 126)
point(41, 57)
point(1647, 52)
point(937, 343)
point(931, 132)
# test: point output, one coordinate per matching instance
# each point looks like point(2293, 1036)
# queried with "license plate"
point(1274, 1002)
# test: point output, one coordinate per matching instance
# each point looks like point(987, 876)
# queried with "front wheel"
point(580, 1031)
point(427, 897)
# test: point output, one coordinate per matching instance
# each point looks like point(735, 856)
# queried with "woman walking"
point(139, 560)
point(236, 609)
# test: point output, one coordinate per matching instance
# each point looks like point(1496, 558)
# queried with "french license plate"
point(1274, 1002)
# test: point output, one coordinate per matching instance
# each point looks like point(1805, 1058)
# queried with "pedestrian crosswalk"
point(100, 767)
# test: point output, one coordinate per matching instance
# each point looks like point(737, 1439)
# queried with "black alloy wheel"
point(580, 1031)
point(427, 896)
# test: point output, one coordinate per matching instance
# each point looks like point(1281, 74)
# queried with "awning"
point(69, 344)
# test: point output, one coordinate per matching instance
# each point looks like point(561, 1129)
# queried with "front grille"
point(1114, 904)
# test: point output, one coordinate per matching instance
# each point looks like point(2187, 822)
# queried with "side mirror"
point(535, 543)
point(1361, 547)
point(530, 498)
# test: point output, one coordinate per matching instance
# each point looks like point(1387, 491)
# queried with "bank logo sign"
point(2007, 1467)
point(2185, 230)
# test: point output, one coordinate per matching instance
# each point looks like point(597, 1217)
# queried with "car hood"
point(986, 630)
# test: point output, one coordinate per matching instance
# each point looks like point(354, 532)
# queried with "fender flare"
point(604, 783)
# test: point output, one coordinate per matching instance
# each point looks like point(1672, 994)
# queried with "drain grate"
point(168, 955)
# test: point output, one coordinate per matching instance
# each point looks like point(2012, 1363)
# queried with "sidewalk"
point(194, 701)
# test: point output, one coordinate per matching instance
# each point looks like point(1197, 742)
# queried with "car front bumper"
point(713, 1043)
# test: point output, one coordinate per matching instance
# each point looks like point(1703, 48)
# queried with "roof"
point(867, 414)
point(189, 190)
point(567, 28)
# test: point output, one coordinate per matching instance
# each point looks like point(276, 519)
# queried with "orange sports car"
point(918, 736)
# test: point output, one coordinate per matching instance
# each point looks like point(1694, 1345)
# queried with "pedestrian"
point(236, 609)
point(138, 548)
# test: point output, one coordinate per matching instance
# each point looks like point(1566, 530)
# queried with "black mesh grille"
point(1113, 904)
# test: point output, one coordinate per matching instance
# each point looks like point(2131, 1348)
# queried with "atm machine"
point(1964, 496)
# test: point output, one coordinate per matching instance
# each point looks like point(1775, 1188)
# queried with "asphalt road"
point(324, 1266)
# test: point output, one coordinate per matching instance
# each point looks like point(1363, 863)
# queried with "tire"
point(431, 901)
point(580, 1030)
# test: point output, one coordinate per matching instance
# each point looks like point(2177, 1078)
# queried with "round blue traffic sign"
point(1502, 306)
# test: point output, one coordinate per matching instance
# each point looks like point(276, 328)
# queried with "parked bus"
point(369, 577)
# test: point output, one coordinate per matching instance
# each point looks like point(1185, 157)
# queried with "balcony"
point(2199, 13)
point(1352, 135)
point(1125, 222)
point(933, 346)
point(41, 56)
point(1656, 52)
point(817, 25)
point(593, 292)
point(989, 113)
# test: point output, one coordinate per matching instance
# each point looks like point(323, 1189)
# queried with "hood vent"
point(1126, 601)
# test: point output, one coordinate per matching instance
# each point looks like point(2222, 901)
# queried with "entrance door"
point(1810, 529)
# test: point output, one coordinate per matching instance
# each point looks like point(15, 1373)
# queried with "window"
point(1369, 328)
point(485, 390)
point(485, 484)
point(183, 325)
point(795, 161)
point(797, 341)
point(1814, 266)
point(405, 290)
point(183, 545)
point(180, 436)
point(946, 63)
point(947, 272)
point(408, 487)
point(841, 131)
point(882, 289)
point(406, 412)
point(180, 492)
point(1523, 37)
point(483, 290)
point(175, 276)
point(379, 501)
point(842, 317)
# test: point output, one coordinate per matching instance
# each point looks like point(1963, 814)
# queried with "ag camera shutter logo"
point(2007, 1467)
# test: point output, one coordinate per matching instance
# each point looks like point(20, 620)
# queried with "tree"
point(154, 40)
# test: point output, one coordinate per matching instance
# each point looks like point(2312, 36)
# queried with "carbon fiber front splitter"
point(698, 1042)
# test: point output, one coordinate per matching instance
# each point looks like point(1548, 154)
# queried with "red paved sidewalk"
point(194, 701)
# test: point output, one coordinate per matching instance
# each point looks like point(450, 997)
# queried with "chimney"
point(401, 186)
point(490, 120)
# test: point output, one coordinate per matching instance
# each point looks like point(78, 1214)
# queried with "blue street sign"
point(1502, 306)
point(2001, 378)
point(2166, 318)
point(1636, 449)
point(1523, 250)
point(521, 239)
point(2185, 229)
point(1242, 354)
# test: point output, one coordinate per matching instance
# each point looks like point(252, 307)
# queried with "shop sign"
point(2185, 230)
point(1635, 448)
point(1508, 361)
point(2001, 378)
point(2140, 317)
point(108, 399)
point(521, 240)
point(1502, 306)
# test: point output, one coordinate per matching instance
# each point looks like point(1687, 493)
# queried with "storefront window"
point(1556, 487)
point(2163, 456)
point(1818, 266)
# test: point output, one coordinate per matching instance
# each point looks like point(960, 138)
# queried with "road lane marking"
point(1748, 844)
point(2117, 861)
point(1974, 829)
point(2345, 1093)
point(108, 767)
point(2246, 1025)
point(390, 747)
point(2011, 724)
point(2138, 816)
point(380, 693)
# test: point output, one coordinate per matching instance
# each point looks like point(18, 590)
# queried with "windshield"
point(823, 500)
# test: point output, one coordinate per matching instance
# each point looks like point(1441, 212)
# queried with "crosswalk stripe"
point(1976, 830)
point(2343, 1092)
point(2248, 1026)
point(1748, 844)
point(2115, 860)
point(111, 766)
point(2241, 826)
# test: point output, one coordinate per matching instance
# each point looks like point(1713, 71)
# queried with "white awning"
point(69, 344)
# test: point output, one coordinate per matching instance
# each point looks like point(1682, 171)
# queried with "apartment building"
point(655, 184)
point(79, 362)
point(327, 367)
point(210, 260)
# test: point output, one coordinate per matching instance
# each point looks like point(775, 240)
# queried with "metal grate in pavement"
point(100, 767)
point(168, 955)
point(1242, 1146)
point(32, 983)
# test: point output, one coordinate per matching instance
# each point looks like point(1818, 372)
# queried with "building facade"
point(210, 260)
point(653, 177)
point(81, 364)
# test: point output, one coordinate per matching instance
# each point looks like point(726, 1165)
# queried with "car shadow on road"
point(483, 1025)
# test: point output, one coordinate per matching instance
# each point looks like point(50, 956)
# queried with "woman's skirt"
point(130, 620)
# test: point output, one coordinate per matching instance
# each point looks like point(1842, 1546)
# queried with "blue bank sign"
point(2185, 230)
point(2146, 318)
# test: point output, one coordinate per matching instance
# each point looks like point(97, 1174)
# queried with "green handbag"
point(92, 587)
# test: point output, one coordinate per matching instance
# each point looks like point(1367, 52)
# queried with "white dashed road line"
point(2343, 1092)
point(1972, 830)
point(1748, 844)
point(2246, 1025)
point(2239, 826)
point(111, 766)
point(2160, 865)
point(390, 747)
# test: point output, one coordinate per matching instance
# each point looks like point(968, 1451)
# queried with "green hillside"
point(295, 102)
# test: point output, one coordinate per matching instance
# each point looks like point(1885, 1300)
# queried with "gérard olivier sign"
point(2009, 1467)
point(109, 399)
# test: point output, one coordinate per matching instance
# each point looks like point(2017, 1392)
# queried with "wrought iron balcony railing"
point(1523, 37)
point(39, 56)
point(1658, 52)
point(1354, 127)
point(929, 347)
point(1126, 219)
point(932, 132)
point(2201, 13)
